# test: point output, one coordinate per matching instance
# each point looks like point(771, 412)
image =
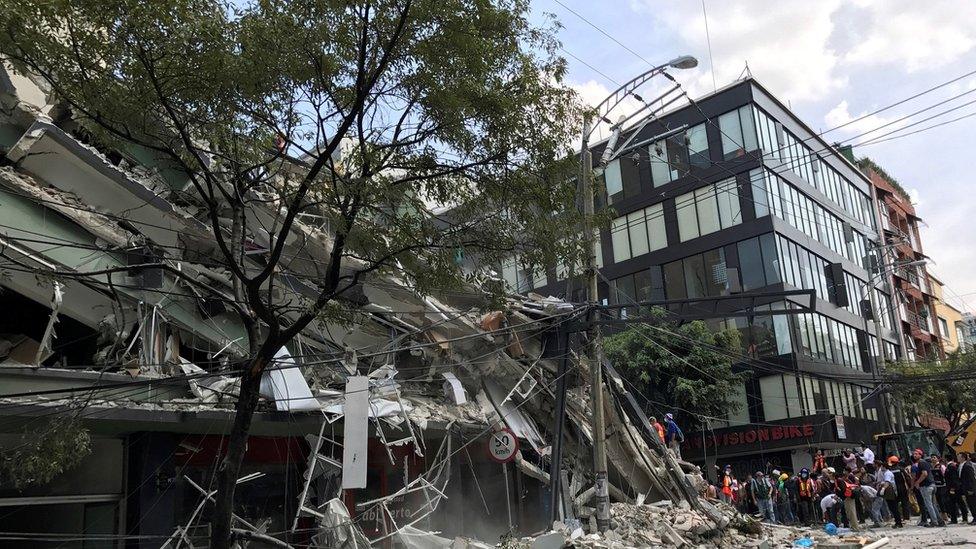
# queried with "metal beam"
point(737, 305)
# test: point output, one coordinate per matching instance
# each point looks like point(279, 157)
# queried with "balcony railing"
point(918, 321)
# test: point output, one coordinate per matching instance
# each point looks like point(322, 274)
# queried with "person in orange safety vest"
point(727, 483)
point(657, 427)
point(806, 492)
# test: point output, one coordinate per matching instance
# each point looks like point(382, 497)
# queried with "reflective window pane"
point(697, 140)
point(769, 258)
point(708, 220)
point(674, 280)
point(638, 233)
point(687, 217)
point(730, 213)
point(731, 130)
point(750, 264)
point(620, 239)
point(695, 276)
point(661, 171)
point(615, 182)
point(656, 233)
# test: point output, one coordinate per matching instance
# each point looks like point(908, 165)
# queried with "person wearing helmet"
point(673, 435)
point(903, 485)
point(806, 490)
point(727, 485)
point(888, 491)
point(782, 499)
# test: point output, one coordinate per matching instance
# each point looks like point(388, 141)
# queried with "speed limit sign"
point(502, 445)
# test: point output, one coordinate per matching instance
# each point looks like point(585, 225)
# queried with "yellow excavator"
point(931, 441)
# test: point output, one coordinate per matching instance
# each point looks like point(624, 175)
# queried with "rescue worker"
point(657, 427)
point(844, 489)
point(819, 463)
point(727, 483)
point(806, 490)
point(888, 491)
point(673, 435)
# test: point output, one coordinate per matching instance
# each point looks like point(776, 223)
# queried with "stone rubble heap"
point(664, 524)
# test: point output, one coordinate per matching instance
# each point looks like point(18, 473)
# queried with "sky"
point(830, 60)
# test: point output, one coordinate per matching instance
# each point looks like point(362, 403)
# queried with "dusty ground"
point(913, 537)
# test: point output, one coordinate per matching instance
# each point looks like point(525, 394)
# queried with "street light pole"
point(594, 351)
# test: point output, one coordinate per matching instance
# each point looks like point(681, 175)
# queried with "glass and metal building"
point(747, 198)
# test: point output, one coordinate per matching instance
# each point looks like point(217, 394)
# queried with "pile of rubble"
point(664, 524)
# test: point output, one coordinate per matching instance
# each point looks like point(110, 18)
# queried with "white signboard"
point(502, 446)
point(841, 430)
point(354, 437)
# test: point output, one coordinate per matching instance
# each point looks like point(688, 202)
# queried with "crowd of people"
point(859, 489)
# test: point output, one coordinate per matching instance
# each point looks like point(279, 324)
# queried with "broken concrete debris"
point(665, 524)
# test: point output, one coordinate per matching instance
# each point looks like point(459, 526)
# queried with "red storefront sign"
point(750, 436)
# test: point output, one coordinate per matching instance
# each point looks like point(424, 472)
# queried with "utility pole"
point(594, 351)
point(878, 365)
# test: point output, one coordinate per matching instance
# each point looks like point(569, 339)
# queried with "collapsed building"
point(117, 396)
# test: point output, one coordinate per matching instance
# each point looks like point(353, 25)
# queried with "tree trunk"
point(230, 467)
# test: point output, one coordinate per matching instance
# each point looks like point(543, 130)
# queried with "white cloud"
point(860, 127)
point(913, 35)
point(785, 43)
point(947, 238)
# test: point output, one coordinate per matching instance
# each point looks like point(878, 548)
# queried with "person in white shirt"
point(867, 454)
point(828, 507)
point(850, 460)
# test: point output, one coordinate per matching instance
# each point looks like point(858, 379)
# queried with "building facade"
point(914, 299)
point(948, 319)
point(747, 199)
point(132, 366)
point(968, 334)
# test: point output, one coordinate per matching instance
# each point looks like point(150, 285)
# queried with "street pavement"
point(914, 537)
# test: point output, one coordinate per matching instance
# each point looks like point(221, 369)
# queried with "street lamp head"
point(916, 263)
point(683, 62)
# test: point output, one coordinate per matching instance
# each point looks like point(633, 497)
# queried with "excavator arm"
point(963, 438)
